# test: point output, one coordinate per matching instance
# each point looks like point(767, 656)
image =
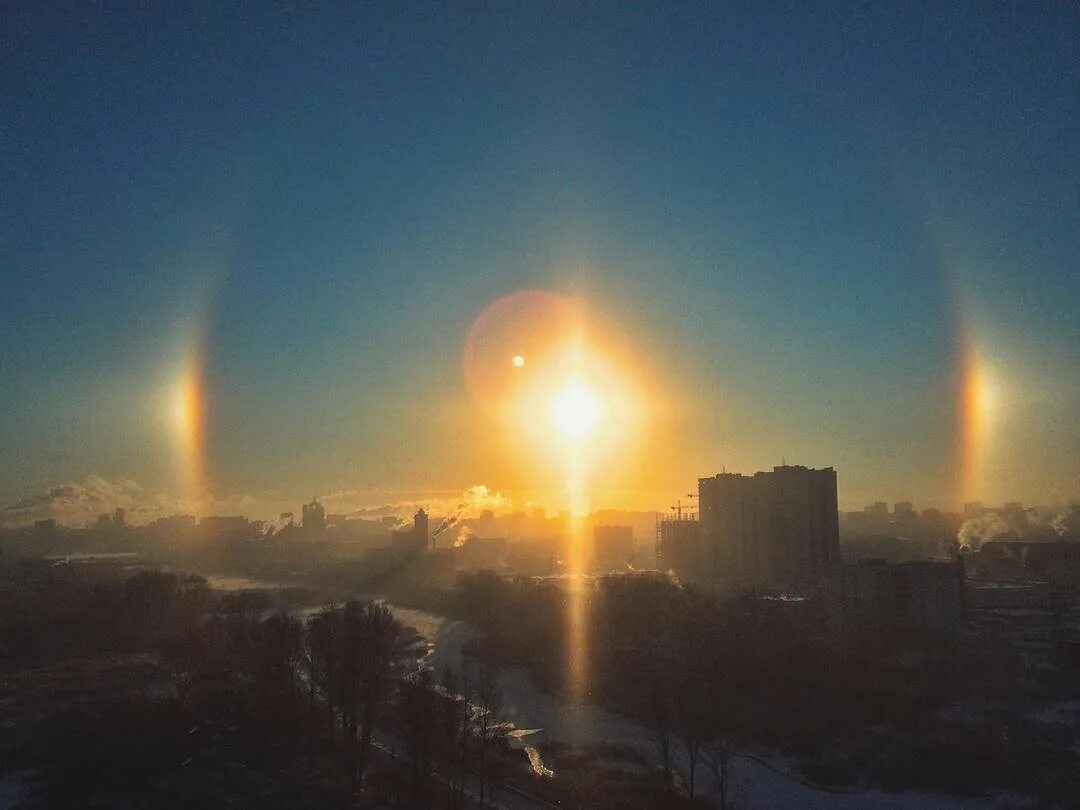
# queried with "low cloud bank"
point(78, 503)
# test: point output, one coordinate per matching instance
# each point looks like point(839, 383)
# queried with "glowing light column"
point(577, 410)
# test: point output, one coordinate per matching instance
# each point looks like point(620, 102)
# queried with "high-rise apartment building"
point(771, 530)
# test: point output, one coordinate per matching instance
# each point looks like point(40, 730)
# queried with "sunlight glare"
point(576, 410)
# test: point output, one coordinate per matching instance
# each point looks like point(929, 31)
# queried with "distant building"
point(313, 516)
point(973, 509)
point(613, 547)
point(175, 523)
point(415, 538)
point(904, 509)
point(679, 547)
point(482, 552)
point(111, 520)
point(420, 527)
point(224, 528)
point(771, 530)
point(286, 519)
point(877, 509)
point(910, 594)
point(1027, 560)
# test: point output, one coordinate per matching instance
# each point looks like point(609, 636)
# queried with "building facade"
point(774, 530)
point(922, 594)
point(678, 547)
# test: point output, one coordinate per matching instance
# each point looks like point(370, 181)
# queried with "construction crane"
point(678, 507)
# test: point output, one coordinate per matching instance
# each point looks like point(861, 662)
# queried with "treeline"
point(708, 675)
point(241, 702)
point(50, 610)
point(336, 680)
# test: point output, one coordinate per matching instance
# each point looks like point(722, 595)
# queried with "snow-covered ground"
point(14, 789)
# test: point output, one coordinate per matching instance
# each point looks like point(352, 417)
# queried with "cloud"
point(382, 503)
point(79, 503)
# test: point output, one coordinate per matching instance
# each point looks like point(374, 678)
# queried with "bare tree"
point(449, 725)
point(323, 641)
point(716, 754)
point(489, 705)
point(660, 718)
point(278, 653)
point(384, 647)
point(465, 731)
point(690, 721)
point(417, 703)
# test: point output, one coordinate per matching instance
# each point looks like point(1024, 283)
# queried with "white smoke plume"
point(976, 531)
point(76, 504)
point(464, 535)
point(1066, 523)
point(79, 503)
point(381, 503)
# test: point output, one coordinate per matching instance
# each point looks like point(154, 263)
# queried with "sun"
point(518, 361)
point(576, 410)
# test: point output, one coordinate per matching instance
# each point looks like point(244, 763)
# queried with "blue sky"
point(794, 208)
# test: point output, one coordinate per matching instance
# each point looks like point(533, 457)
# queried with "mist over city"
point(557, 405)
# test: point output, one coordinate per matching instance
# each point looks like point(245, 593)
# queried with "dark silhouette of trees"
point(716, 755)
point(452, 721)
point(382, 649)
point(279, 653)
point(417, 704)
point(324, 640)
point(355, 654)
point(660, 717)
point(488, 708)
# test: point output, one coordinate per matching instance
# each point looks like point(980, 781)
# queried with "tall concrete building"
point(771, 530)
point(416, 537)
point(678, 546)
point(420, 528)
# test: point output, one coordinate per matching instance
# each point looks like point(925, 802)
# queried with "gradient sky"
point(807, 217)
